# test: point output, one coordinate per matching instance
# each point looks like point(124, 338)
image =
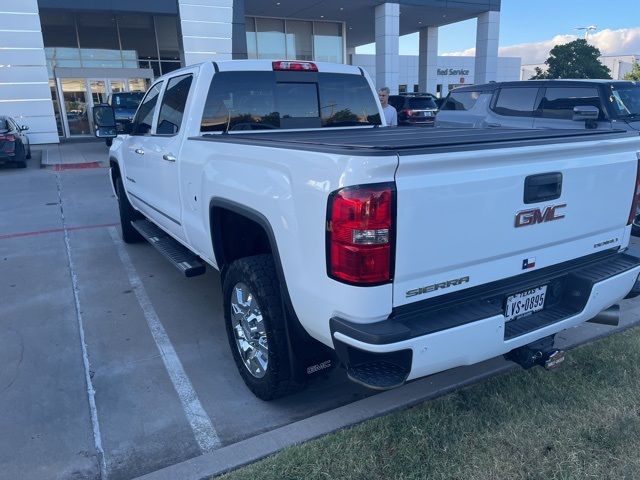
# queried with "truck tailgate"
point(462, 219)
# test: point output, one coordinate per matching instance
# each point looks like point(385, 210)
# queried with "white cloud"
point(610, 42)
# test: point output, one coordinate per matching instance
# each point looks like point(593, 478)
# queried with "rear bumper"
point(470, 327)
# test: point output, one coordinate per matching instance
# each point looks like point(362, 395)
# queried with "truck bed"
point(410, 140)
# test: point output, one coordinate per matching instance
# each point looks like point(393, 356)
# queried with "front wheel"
point(255, 324)
point(127, 215)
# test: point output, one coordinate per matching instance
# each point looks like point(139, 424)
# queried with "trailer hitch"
point(539, 353)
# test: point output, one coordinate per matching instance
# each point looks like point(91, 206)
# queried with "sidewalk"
point(86, 154)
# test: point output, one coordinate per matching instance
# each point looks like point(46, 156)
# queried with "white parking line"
point(200, 423)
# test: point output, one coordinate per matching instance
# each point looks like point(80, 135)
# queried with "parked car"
point(414, 108)
point(124, 106)
point(14, 143)
point(341, 242)
point(597, 104)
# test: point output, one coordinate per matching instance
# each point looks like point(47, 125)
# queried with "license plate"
point(525, 303)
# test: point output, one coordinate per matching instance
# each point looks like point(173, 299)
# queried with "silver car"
point(604, 104)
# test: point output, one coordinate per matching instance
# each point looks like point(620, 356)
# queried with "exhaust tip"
point(610, 317)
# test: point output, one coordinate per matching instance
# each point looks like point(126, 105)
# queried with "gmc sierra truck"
point(394, 252)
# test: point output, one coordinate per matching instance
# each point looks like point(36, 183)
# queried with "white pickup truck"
point(395, 252)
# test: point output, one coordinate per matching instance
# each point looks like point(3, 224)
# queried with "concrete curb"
point(256, 448)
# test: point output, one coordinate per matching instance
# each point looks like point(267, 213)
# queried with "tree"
point(575, 59)
point(634, 74)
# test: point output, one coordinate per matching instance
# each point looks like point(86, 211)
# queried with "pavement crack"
point(95, 424)
point(17, 370)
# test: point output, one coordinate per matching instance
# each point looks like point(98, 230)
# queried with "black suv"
point(415, 108)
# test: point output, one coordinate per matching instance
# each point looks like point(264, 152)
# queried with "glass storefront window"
point(252, 45)
point(98, 91)
point(327, 42)
point(299, 44)
point(137, 33)
point(74, 95)
point(58, 29)
point(270, 37)
point(138, 84)
point(98, 30)
point(56, 106)
point(168, 44)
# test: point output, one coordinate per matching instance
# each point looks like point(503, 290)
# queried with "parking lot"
point(112, 365)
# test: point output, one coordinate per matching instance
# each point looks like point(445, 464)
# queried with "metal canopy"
point(359, 15)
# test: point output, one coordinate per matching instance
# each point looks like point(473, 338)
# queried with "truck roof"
point(410, 140)
point(489, 87)
point(266, 66)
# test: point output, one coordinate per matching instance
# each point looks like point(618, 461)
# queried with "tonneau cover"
point(409, 140)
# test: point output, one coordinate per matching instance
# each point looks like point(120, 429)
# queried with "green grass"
point(580, 422)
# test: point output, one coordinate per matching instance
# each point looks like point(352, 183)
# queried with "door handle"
point(169, 158)
point(139, 151)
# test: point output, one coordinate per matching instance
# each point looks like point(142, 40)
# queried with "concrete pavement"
point(108, 407)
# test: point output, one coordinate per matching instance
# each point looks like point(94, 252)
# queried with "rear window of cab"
point(269, 100)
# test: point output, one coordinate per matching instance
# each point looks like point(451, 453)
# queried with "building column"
point(239, 32)
point(351, 51)
point(387, 32)
point(207, 28)
point(428, 60)
point(488, 31)
point(24, 81)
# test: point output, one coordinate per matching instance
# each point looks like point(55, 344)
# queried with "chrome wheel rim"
point(249, 330)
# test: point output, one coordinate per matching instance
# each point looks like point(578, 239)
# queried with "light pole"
point(590, 28)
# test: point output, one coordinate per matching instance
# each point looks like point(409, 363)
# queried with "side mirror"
point(24, 128)
point(104, 121)
point(585, 113)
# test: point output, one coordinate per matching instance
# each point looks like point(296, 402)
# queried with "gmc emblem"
point(536, 215)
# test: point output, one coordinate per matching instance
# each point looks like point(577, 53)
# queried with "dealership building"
point(58, 58)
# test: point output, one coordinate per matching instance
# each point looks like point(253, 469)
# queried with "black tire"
point(258, 273)
point(29, 153)
point(20, 159)
point(127, 214)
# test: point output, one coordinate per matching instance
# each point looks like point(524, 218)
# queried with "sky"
point(529, 29)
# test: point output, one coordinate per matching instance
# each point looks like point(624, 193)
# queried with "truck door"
point(135, 149)
point(556, 107)
point(162, 184)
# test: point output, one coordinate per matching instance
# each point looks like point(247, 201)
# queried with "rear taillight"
point(8, 138)
point(294, 66)
point(408, 112)
point(360, 234)
point(636, 196)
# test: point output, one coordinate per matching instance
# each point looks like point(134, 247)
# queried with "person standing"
point(390, 114)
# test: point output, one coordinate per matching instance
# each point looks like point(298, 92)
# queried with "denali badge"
point(536, 215)
point(437, 286)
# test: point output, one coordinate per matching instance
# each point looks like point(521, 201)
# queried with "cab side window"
point(516, 102)
point(558, 102)
point(173, 105)
point(460, 100)
point(144, 116)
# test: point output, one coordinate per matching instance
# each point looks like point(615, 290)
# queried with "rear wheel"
point(20, 159)
point(255, 323)
point(127, 215)
point(29, 152)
